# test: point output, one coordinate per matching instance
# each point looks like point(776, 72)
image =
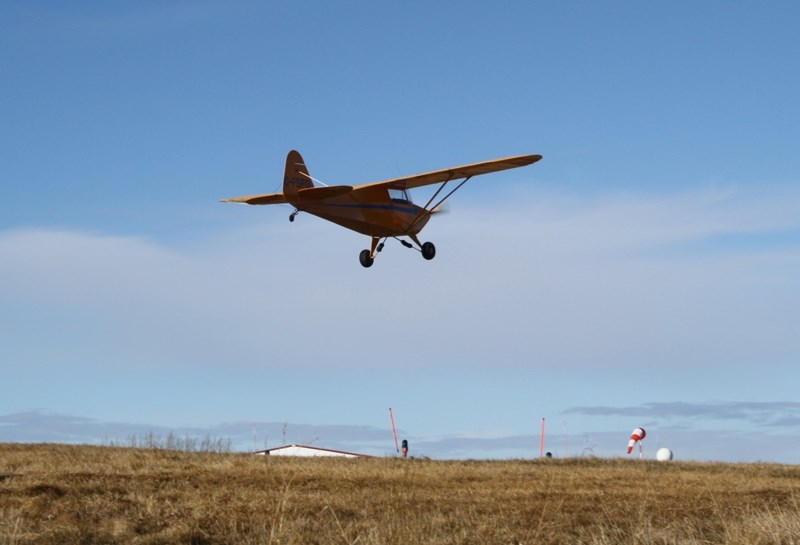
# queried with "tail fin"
point(295, 176)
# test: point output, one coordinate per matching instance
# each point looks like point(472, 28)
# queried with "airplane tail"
point(295, 176)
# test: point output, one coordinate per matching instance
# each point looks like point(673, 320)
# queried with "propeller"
point(443, 208)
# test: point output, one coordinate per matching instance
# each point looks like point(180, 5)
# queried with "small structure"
point(664, 454)
point(305, 450)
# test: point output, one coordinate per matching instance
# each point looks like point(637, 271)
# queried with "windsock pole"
point(541, 441)
point(394, 431)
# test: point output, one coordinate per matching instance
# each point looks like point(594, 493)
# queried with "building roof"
point(306, 450)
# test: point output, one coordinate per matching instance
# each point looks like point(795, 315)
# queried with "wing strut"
point(428, 210)
point(439, 191)
point(456, 188)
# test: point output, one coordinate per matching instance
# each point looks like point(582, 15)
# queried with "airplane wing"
point(270, 198)
point(407, 182)
point(455, 173)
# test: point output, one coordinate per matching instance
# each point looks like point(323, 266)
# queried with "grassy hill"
point(59, 494)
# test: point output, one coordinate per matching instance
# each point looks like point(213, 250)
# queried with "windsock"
point(637, 435)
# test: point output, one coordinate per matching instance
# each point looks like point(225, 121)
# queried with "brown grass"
point(58, 494)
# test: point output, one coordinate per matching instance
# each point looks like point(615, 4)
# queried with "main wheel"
point(428, 250)
point(365, 259)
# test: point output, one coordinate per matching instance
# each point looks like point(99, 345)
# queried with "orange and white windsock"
point(637, 435)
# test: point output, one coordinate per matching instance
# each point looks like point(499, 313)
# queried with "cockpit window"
point(399, 195)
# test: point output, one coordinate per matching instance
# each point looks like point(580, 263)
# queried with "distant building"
point(304, 450)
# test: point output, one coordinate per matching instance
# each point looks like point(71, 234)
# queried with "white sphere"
point(664, 455)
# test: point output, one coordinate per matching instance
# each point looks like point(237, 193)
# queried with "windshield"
point(400, 195)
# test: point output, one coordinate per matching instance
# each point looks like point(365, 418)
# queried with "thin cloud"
point(44, 426)
point(769, 414)
point(556, 282)
point(724, 445)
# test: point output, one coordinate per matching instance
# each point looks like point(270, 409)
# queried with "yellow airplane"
point(379, 210)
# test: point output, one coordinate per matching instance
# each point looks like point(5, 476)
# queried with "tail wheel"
point(366, 259)
point(428, 250)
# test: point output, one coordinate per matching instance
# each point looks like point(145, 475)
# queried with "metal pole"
point(394, 431)
point(541, 441)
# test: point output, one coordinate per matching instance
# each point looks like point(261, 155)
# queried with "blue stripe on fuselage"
point(392, 207)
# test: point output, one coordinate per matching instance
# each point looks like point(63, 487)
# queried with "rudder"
point(295, 175)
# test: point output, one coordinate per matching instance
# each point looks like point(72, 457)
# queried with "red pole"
point(394, 431)
point(541, 441)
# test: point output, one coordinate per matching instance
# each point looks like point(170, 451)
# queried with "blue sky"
point(644, 273)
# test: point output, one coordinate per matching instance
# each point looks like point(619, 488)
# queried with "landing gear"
point(366, 259)
point(293, 214)
point(428, 251)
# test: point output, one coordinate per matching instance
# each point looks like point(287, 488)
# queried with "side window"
point(400, 195)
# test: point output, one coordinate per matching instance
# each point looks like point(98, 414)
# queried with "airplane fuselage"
point(369, 211)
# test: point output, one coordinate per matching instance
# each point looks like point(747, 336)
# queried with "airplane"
point(380, 210)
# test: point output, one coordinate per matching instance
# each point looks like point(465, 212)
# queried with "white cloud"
point(537, 281)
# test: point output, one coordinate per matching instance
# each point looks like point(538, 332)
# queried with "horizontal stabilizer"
point(271, 198)
point(324, 192)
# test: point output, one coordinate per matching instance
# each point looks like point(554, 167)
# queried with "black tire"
point(428, 250)
point(365, 259)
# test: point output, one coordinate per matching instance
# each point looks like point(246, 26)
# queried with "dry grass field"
point(58, 494)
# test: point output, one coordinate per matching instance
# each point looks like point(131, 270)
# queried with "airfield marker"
point(394, 431)
point(541, 440)
point(637, 436)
